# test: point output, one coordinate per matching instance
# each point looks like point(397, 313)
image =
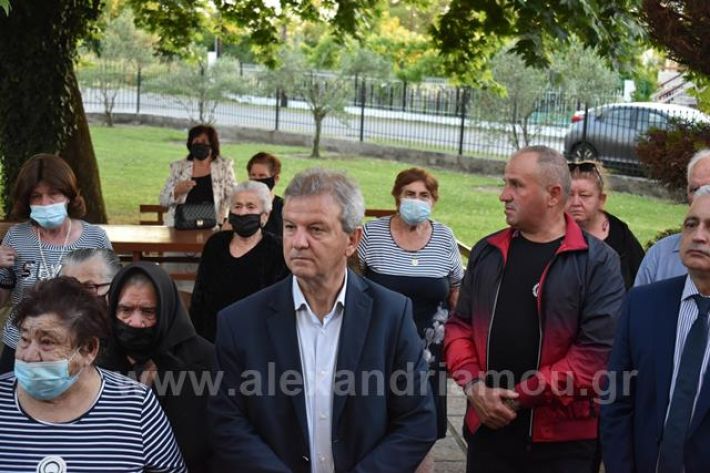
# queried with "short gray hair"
point(552, 165)
point(697, 157)
point(111, 262)
point(259, 188)
point(702, 191)
point(345, 192)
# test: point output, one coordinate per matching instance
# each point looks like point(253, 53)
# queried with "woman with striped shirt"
point(59, 413)
point(418, 257)
point(47, 199)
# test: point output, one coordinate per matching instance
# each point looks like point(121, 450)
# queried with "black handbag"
point(195, 216)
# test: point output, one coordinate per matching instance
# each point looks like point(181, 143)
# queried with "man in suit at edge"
point(655, 416)
point(324, 370)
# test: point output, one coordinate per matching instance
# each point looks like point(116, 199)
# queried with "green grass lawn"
point(133, 162)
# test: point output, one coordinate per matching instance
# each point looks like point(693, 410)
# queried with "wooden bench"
point(377, 213)
point(153, 210)
point(152, 214)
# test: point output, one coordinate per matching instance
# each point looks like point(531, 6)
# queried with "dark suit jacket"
point(632, 425)
point(267, 431)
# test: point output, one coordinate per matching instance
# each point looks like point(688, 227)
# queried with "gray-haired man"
point(323, 371)
point(662, 260)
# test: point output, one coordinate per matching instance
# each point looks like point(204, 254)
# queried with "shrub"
point(666, 153)
point(660, 235)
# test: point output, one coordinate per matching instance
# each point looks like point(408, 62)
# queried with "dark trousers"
point(7, 359)
point(516, 457)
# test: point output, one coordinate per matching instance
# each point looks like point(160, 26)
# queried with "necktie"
point(670, 458)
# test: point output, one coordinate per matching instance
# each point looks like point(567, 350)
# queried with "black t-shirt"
point(514, 340)
point(202, 192)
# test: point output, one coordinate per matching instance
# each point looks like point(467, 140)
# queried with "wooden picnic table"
point(138, 240)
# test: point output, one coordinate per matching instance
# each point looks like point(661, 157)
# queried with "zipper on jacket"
point(543, 277)
point(490, 327)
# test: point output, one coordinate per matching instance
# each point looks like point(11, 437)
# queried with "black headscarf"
point(173, 323)
point(177, 348)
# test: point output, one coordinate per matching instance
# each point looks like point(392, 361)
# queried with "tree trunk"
point(79, 153)
point(40, 103)
point(318, 120)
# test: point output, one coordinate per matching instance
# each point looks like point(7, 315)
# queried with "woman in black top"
point(238, 262)
point(266, 168)
point(586, 205)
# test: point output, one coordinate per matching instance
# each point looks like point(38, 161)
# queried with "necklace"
point(47, 271)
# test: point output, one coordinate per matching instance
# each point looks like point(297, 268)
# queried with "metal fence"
point(428, 116)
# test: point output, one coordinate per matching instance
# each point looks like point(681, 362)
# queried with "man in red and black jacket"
point(533, 328)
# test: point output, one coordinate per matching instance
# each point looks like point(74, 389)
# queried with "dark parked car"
point(610, 132)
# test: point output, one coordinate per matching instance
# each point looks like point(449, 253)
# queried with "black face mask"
point(269, 181)
point(200, 151)
point(138, 343)
point(245, 225)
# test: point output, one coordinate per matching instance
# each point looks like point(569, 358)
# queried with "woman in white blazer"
point(202, 176)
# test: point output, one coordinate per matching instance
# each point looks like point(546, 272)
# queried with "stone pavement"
point(450, 452)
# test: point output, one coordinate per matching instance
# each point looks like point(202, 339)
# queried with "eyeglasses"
point(583, 166)
point(588, 167)
point(95, 288)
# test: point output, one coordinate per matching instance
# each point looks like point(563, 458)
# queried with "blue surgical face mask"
point(49, 216)
point(414, 211)
point(45, 380)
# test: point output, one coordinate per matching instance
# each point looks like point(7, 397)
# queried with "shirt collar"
point(299, 300)
point(689, 290)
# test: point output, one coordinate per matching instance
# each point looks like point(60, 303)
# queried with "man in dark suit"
point(323, 371)
point(656, 412)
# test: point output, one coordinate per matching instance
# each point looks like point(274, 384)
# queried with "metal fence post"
point(584, 126)
point(462, 128)
point(278, 108)
point(138, 91)
point(363, 96)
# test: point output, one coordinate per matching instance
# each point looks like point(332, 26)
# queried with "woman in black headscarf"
point(154, 341)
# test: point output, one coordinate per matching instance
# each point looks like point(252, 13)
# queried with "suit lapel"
point(665, 311)
point(281, 325)
point(353, 334)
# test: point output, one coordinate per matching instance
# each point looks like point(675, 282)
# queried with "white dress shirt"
point(318, 344)
point(686, 317)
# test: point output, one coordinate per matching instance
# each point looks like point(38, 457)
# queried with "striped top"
point(124, 431)
point(29, 264)
point(686, 317)
point(437, 259)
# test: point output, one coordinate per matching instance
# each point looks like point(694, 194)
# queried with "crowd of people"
point(314, 343)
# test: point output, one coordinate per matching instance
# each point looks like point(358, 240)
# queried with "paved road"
point(433, 132)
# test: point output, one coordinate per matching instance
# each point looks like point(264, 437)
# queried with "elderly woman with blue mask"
point(412, 254)
point(47, 201)
point(59, 412)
